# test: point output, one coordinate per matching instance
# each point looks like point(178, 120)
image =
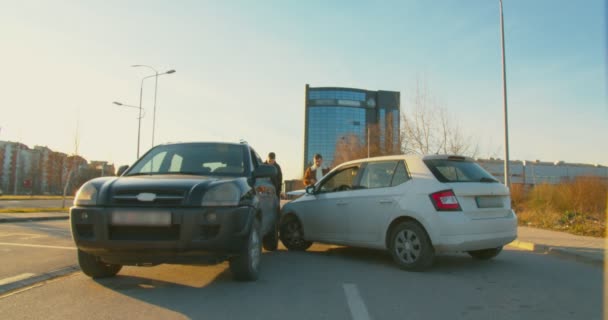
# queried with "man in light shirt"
point(315, 172)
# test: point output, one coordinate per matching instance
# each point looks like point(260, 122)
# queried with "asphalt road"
point(35, 247)
point(34, 203)
point(326, 282)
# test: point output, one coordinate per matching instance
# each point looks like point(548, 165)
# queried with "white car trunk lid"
point(483, 200)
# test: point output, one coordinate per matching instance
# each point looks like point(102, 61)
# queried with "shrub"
point(577, 206)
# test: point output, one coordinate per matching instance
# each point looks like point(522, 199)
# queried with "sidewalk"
point(580, 248)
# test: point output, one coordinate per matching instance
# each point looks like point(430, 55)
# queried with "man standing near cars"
point(278, 179)
point(315, 172)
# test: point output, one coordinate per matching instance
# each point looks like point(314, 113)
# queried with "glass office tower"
point(335, 113)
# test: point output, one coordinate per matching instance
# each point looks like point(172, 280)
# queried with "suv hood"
point(172, 190)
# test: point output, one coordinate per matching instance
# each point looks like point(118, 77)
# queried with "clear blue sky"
point(242, 66)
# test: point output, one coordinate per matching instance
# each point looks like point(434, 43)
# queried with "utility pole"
point(504, 98)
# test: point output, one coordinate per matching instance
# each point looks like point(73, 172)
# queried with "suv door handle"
point(386, 201)
point(341, 203)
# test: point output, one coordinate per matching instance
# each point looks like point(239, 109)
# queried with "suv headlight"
point(86, 196)
point(222, 195)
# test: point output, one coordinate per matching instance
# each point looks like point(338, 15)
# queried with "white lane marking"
point(16, 278)
point(357, 308)
point(36, 246)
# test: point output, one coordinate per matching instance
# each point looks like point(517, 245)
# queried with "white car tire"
point(411, 247)
point(485, 254)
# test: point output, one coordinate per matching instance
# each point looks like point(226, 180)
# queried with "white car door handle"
point(386, 201)
point(341, 203)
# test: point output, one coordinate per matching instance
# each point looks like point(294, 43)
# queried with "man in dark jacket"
point(278, 179)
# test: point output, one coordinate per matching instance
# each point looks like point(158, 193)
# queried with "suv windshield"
point(449, 170)
point(193, 158)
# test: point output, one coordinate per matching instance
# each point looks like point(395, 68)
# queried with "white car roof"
point(407, 157)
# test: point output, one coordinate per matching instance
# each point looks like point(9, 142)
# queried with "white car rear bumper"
point(459, 233)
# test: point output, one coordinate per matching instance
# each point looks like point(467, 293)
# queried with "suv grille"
point(161, 198)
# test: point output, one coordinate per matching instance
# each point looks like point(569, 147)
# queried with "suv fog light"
point(212, 217)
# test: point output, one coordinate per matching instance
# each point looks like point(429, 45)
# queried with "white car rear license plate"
point(489, 202)
point(141, 218)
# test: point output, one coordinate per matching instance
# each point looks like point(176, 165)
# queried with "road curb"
point(13, 287)
point(9, 220)
point(525, 245)
point(559, 252)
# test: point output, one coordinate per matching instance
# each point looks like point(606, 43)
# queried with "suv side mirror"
point(265, 171)
point(121, 170)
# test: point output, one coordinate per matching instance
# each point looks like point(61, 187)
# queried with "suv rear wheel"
point(271, 239)
point(485, 254)
point(246, 267)
point(92, 267)
point(411, 247)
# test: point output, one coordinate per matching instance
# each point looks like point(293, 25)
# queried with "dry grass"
point(577, 207)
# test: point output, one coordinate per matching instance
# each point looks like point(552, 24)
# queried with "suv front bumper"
point(193, 236)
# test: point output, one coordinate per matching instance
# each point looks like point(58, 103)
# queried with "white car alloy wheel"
point(407, 245)
point(410, 246)
point(292, 235)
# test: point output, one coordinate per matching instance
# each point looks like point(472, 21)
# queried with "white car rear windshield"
point(457, 169)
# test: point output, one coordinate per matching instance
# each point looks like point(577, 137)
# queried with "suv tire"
point(246, 267)
point(92, 267)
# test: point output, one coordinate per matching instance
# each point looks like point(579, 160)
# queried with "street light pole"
point(504, 98)
point(156, 75)
point(138, 119)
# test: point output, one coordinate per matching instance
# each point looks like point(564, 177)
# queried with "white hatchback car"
point(412, 206)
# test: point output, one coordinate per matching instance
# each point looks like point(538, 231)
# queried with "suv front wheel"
point(92, 267)
point(246, 267)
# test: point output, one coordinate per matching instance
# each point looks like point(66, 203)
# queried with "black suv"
point(184, 203)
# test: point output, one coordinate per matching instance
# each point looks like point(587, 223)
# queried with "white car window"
point(341, 181)
point(378, 174)
point(400, 175)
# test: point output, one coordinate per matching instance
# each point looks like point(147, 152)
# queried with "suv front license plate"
point(141, 218)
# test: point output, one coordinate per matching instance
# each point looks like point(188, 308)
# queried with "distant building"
point(333, 113)
point(43, 171)
point(537, 172)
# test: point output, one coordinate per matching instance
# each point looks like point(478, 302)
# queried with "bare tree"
point(429, 129)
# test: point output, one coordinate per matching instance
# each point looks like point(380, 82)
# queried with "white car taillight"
point(445, 201)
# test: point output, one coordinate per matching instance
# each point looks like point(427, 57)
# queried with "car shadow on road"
point(451, 262)
point(294, 279)
point(210, 292)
